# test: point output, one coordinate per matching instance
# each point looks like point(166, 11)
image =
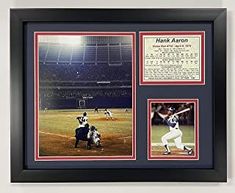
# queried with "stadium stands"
point(186, 118)
point(98, 67)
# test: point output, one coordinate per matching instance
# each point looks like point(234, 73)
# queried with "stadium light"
point(70, 40)
point(61, 39)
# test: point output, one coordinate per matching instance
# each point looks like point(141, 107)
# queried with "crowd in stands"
point(83, 93)
point(98, 67)
point(186, 118)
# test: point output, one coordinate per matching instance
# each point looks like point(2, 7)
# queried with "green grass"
point(159, 130)
point(57, 129)
point(64, 121)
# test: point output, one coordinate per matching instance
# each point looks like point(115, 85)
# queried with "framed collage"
point(118, 95)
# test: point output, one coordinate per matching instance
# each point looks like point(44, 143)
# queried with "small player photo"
point(85, 106)
point(173, 129)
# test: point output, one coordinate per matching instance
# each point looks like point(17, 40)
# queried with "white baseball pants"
point(175, 134)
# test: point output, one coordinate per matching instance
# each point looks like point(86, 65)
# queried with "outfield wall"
point(100, 102)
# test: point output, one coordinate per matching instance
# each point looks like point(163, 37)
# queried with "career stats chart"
point(172, 58)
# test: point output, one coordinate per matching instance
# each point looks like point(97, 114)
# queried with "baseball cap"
point(172, 109)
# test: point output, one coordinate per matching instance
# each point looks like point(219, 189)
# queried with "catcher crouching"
point(91, 135)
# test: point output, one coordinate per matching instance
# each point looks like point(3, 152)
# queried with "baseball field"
point(57, 130)
point(156, 145)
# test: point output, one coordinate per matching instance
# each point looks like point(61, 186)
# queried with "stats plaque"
point(172, 57)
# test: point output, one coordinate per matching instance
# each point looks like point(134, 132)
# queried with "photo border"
point(180, 82)
point(37, 157)
point(196, 130)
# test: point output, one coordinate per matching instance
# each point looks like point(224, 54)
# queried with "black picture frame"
point(20, 173)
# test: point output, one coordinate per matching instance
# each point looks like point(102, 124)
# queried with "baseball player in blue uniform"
point(175, 133)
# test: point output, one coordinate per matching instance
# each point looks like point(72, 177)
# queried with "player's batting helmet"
point(172, 109)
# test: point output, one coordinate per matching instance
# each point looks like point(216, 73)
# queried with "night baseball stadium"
point(91, 74)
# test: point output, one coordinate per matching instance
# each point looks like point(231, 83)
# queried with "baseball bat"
point(183, 111)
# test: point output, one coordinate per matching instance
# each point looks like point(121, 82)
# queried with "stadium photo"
point(173, 129)
point(84, 96)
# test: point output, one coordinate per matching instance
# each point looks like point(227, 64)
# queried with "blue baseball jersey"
point(173, 122)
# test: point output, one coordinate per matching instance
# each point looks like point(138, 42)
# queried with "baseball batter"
point(83, 120)
point(175, 133)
